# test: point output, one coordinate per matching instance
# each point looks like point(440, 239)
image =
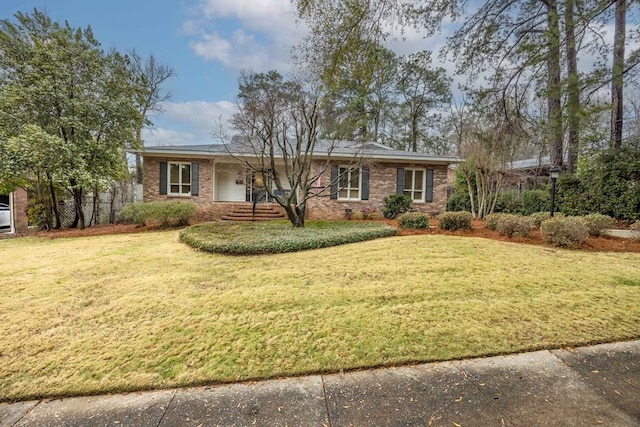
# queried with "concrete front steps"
point(264, 212)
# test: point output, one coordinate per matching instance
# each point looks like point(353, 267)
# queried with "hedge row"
point(167, 213)
point(418, 220)
point(558, 231)
point(264, 237)
point(452, 221)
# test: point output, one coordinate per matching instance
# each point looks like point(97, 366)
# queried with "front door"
point(257, 190)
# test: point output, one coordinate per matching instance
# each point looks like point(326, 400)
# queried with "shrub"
point(535, 201)
point(564, 231)
point(635, 231)
point(509, 202)
point(514, 225)
point(539, 217)
point(172, 213)
point(491, 221)
point(413, 220)
point(264, 237)
point(455, 220)
point(395, 205)
point(166, 212)
point(369, 213)
point(597, 223)
point(611, 183)
point(136, 213)
point(571, 196)
point(459, 201)
point(37, 214)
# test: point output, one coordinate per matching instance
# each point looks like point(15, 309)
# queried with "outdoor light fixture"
point(554, 172)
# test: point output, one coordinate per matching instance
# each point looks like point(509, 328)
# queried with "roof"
point(324, 148)
point(532, 163)
point(540, 162)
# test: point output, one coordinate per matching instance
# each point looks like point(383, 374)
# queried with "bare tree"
point(279, 124)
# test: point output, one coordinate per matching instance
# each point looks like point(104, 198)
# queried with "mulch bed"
point(592, 244)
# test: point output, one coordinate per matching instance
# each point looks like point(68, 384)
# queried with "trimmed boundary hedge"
point(269, 237)
point(415, 220)
point(453, 221)
point(168, 213)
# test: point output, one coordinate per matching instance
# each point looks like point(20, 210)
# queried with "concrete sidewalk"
point(597, 385)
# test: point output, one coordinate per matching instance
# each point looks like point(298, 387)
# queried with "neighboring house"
point(218, 182)
point(16, 212)
point(528, 174)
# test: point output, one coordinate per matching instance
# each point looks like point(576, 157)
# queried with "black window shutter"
point(365, 183)
point(400, 181)
point(334, 182)
point(429, 194)
point(163, 178)
point(195, 178)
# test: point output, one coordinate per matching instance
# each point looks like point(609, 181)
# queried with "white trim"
point(350, 187)
point(180, 184)
point(413, 186)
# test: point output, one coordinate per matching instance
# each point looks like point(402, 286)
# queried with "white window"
point(349, 183)
point(179, 179)
point(414, 184)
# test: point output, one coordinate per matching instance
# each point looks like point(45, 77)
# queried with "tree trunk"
point(77, 200)
point(414, 133)
point(573, 89)
point(294, 214)
point(471, 198)
point(138, 169)
point(617, 71)
point(113, 192)
point(494, 200)
point(554, 92)
point(46, 215)
point(300, 211)
point(95, 211)
point(54, 205)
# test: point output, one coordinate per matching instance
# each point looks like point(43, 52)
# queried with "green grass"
point(144, 311)
point(265, 237)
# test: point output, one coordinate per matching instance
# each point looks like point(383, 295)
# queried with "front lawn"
point(263, 237)
point(142, 311)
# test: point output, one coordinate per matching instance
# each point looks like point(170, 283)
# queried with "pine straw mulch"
point(592, 244)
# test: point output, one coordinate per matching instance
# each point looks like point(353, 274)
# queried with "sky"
point(206, 42)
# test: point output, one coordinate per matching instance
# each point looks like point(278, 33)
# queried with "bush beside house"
point(167, 213)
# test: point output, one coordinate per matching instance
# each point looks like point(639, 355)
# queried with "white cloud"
point(203, 120)
point(212, 47)
point(244, 34)
point(274, 17)
point(159, 136)
point(200, 115)
point(241, 51)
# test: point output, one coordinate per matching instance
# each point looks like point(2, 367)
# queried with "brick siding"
point(151, 180)
point(20, 200)
point(382, 183)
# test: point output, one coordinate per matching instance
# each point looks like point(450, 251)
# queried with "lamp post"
point(554, 172)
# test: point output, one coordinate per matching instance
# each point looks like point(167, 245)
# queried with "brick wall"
point(20, 210)
point(382, 183)
point(151, 180)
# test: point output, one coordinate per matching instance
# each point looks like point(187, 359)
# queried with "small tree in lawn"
point(279, 123)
